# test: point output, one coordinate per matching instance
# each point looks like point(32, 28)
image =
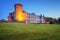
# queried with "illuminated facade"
point(20, 15)
point(25, 15)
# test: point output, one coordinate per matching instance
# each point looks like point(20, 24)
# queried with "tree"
point(51, 21)
point(58, 20)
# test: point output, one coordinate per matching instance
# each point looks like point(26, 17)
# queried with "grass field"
point(21, 31)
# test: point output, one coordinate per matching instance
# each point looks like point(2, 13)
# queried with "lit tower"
point(18, 12)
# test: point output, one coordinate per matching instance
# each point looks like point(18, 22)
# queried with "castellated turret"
point(18, 12)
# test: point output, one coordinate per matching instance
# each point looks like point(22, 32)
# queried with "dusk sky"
point(50, 8)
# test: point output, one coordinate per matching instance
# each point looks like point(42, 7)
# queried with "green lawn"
point(21, 31)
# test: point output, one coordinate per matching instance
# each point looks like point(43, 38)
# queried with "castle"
point(20, 15)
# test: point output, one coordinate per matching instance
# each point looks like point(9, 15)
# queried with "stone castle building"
point(20, 15)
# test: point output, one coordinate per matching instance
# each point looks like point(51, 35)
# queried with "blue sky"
point(50, 8)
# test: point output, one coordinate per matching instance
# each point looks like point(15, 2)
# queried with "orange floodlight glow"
point(25, 16)
point(19, 16)
point(18, 12)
